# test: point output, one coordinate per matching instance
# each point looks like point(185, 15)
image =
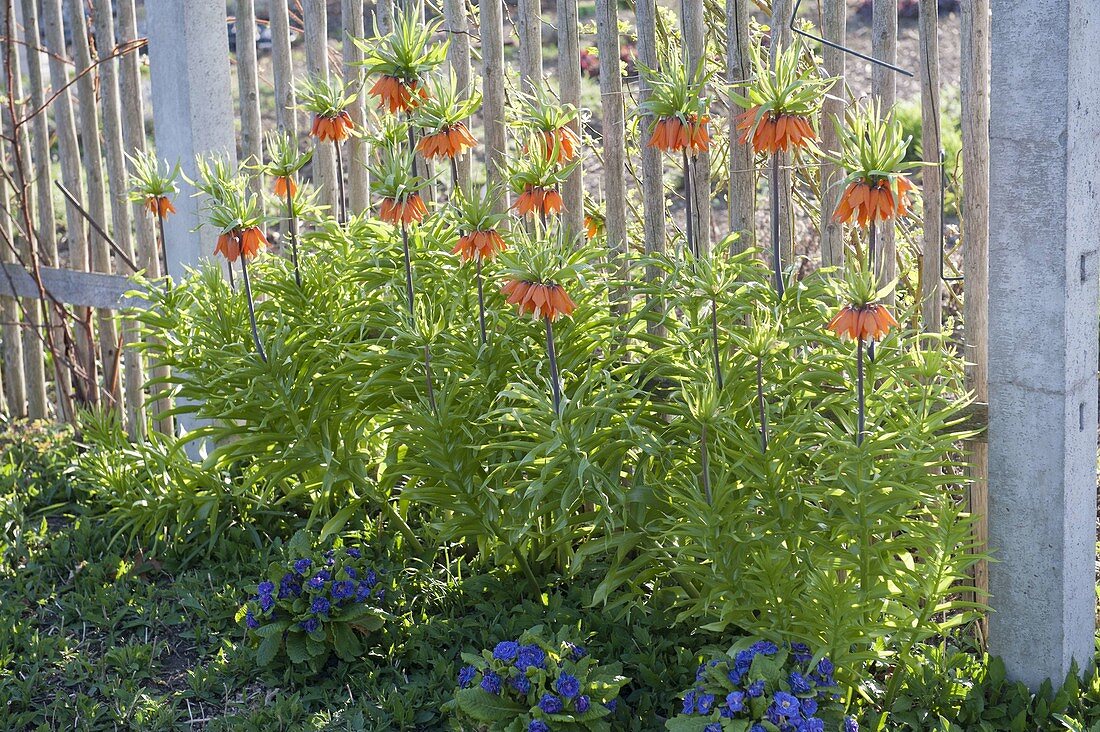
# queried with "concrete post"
point(1043, 239)
point(192, 108)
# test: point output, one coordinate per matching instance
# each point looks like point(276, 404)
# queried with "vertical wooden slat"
point(69, 154)
point(781, 39)
point(110, 105)
point(695, 44)
point(832, 232)
point(97, 197)
point(974, 91)
point(358, 184)
point(282, 70)
point(315, 16)
point(529, 23)
point(383, 16)
point(248, 84)
point(44, 241)
point(492, 59)
point(15, 387)
point(614, 163)
point(742, 173)
point(457, 24)
point(931, 285)
point(653, 185)
point(884, 45)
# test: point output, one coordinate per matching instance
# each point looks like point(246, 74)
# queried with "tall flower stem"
point(232, 283)
point(292, 217)
point(704, 462)
point(408, 267)
point(859, 393)
point(872, 244)
point(714, 343)
point(428, 377)
point(552, 354)
point(762, 404)
point(343, 209)
point(481, 302)
point(454, 175)
point(163, 246)
point(251, 308)
point(689, 211)
point(777, 261)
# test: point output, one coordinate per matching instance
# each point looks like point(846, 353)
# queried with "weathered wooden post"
point(1044, 235)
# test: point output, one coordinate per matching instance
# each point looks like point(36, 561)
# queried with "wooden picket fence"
point(75, 92)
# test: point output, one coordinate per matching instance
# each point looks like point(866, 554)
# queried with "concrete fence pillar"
point(1044, 234)
point(192, 108)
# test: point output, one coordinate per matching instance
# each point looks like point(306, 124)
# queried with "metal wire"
point(845, 49)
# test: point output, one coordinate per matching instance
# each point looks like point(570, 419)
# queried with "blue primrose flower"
point(813, 724)
point(705, 703)
point(310, 624)
point(713, 727)
point(266, 602)
point(734, 675)
point(825, 668)
point(266, 588)
point(582, 703)
point(809, 707)
point(317, 581)
point(568, 686)
point(798, 683)
point(550, 703)
point(576, 652)
point(735, 701)
point(350, 572)
point(766, 648)
point(506, 651)
point(689, 703)
point(786, 704)
point(371, 578)
point(522, 684)
point(756, 689)
point(355, 553)
point(537, 725)
point(758, 728)
point(362, 593)
point(342, 589)
point(611, 705)
point(301, 566)
point(466, 676)
point(288, 586)
point(320, 606)
point(850, 725)
point(743, 660)
point(531, 656)
point(490, 682)
point(801, 653)
point(250, 620)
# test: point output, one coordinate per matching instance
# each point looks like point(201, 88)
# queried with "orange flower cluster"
point(482, 245)
point(447, 143)
point(868, 202)
point(775, 133)
point(233, 244)
point(538, 299)
point(566, 143)
point(283, 184)
point(396, 94)
point(868, 323)
point(159, 206)
point(538, 200)
point(335, 128)
point(406, 211)
point(593, 226)
point(672, 135)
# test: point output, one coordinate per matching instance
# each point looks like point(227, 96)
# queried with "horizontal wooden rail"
point(87, 289)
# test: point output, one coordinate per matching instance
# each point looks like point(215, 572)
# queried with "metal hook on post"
point(845, 49)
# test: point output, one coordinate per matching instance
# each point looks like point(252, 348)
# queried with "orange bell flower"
point(538, 299)
point(566, 142)
point(868, 202)
point(536, 200)
point(397, 211)
point(867, 323)
point(593, 226)
point(334, 128)
point(229, 246)
point(283, 184)
point(673, 135)
point(159, 206)
point(481, 245)
point(775, 133)
point(449, 142)
point(395, 94)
